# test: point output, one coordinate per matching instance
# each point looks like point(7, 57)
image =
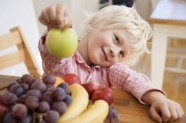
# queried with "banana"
point(96, 113)
point(58, 81)
point(80, 99)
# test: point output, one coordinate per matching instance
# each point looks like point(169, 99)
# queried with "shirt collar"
point(80, 60)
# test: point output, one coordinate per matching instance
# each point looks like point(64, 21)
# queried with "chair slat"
point(9, 40)
point(12, 59)
point(23, 54)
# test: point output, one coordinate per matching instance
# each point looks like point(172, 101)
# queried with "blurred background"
point(25, 13)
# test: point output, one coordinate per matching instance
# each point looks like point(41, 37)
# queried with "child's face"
point(107, 47)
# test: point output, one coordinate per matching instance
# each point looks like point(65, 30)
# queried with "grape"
point(60, 107)
point(32, 102)
point(68, 100)
point(52, 116)
point(58, 94)
point(12, 84)
point(65, 86)
point(19, 80)
point(25, 78)
point(19, 111)
point(32, 81)
point(21, 99)
point(26, 119)
point(39, 86)
point(26, 104)
point(113, 114)
point(43, 107)
point(8, 98)
point(50, 88)
point(25, 87)
point(9, 119)
point(47, 97)
point(49, 79)
point(34, 92)
point(17, 89)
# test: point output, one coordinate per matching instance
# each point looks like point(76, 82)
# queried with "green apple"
point(62, 43)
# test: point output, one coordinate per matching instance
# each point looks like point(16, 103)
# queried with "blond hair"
point(127, 19)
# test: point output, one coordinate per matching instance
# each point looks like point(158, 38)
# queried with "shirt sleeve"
point(122, 77)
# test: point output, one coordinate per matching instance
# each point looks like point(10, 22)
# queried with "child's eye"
point(116, 39)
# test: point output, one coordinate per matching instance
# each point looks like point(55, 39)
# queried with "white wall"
point(144, 8)
point(19, 12)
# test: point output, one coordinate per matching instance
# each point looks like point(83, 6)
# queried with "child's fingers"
point(164, 112)
point(60, 14)
point(46, 17)
point(51, 13)
point(180, 111)
point(42, 20)
point(68, 19)
point(176, 111)
point(173, 112)
point(154, 114)
point(63, 17)
point(56, 16)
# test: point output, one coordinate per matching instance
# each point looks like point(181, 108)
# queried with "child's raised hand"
point(56, 16)
point(165, 110)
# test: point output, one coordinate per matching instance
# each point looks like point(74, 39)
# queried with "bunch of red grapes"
point(34, 100)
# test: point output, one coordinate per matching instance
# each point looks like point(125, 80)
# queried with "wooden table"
point(169, 21)
point(130, 110)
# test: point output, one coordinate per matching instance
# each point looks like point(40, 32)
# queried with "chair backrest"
point(23, 53)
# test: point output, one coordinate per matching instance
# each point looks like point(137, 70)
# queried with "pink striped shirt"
point(118, 75)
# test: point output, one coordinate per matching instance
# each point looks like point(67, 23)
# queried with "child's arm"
point(56, 16)
point(162, 109)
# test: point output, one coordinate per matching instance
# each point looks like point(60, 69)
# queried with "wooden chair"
point(23, 53)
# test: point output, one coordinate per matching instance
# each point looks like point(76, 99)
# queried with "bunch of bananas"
point(80, 112)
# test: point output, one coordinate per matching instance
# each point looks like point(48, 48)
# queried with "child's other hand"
point(56, 16)
point(165, 110)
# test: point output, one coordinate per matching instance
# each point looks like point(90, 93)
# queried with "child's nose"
point(114, 51)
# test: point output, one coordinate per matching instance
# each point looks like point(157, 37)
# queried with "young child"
point(112, 39)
